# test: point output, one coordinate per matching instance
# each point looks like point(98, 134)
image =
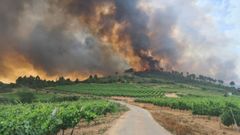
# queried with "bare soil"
point(125, 99)
point(171, 95)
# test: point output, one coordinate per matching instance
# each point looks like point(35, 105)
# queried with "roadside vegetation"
point(50, 118)
point(36, 107)
point(227, 108)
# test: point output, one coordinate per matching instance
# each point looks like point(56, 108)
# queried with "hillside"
point(197, 95)
point(177, 80)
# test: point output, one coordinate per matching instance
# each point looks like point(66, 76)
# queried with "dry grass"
point(184, 123)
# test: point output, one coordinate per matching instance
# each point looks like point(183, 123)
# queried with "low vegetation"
point(26, 97)
point(37, 107)
point(50, 118)
point(113, 89)
point(227, 108)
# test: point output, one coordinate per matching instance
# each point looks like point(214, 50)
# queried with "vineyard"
point(50, 118)
point(61, 108)
point(138, 90)
point(130, 90)
point(201, 101)
point(227, 108)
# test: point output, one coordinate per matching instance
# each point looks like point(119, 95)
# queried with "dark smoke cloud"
point(164, 45)
point(64, 36)
point(10, 11)
point(55, 52)
point(86, 10)
point(49, 47)
point(84, 7)
point(128, 11)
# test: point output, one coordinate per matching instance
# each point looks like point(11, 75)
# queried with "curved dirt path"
point(136, 121)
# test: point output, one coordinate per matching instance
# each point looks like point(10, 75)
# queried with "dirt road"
point(136, 121)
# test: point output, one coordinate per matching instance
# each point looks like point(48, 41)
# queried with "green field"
point(114, 89)
point(82, 101)
point(138, 90)
point(200, 99)
point(50, 118)
point(199, 105)
point(37, 95)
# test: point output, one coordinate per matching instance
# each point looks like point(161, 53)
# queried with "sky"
point(53, 38)
point(226, 15)
point(210, 31)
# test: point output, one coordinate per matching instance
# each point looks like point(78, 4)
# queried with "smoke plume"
point(76, 38)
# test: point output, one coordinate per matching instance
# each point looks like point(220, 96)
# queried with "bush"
point(228, 114)
point(26, 97)
point(210, 107)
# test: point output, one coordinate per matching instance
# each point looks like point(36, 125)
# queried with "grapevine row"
point(225, 108)
point(50, 118)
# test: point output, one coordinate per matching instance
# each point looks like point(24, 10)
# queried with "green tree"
point(221, 82)
point(232, 83)
point(77, 80)
point(90, 77)
point(95, 77)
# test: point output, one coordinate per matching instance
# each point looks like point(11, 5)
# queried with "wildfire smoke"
point(76, 38)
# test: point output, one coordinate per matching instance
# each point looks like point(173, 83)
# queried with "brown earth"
point(171, 95)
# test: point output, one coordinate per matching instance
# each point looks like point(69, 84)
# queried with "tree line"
point(182, 77)
point(175, 76)
point(37, 82)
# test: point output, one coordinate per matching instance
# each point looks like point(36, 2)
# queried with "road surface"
point(136, 121)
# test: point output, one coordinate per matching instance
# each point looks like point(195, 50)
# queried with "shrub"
point(230, 113)
point(26, 97)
